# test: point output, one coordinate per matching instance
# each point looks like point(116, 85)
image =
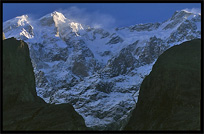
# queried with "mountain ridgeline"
point(22, 108)
point(170, 96)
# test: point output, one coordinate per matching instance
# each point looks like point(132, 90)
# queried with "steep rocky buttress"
point(170, 95)
point(22, 108)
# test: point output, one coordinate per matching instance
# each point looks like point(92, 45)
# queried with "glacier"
point(98, 71)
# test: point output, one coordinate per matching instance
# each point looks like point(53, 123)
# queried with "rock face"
point(170, 95)
point(22, 108)
point(4, 36)
point(97, 70)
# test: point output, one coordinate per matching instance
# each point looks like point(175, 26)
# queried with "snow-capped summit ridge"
point(60, 24)
point(19, 27)
point(182, 15)
point(57, 16)
point(22, 20)
point(193, 11)
point(54, 17)
point(24, 17)
point(185, 14)
point(19, 20)
point(57, 13)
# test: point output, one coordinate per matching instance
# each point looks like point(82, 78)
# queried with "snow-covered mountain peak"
point(58, 17)
point(23, 17)
point(22, 20)
point(76, 26)
point(18, 21)
point(56, 13)
point(20, 27)
point(192, 12)
point(64, 25)
point(179, 18)
point(52, 18)
point(184, 14)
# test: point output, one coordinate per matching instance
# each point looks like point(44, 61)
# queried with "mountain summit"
point(61, 23)
point(20, 27)
point(53, 18)
point(96, 70)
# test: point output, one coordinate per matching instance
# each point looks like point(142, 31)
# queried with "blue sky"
point(107, 14)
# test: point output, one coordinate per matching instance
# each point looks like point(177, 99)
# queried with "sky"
point(101, 14)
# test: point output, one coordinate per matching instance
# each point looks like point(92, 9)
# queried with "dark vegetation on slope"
point(170, 96)
point(22, 108)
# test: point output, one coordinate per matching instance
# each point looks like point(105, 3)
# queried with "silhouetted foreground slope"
point(170, 96)
point(22, 108)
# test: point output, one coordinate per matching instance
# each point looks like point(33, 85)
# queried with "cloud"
point(193, 10)
point(93, 19)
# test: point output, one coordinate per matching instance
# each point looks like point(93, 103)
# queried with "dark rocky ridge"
point(22, 108)
point(170, 96)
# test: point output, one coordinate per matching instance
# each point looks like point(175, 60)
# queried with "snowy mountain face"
point(98, 71)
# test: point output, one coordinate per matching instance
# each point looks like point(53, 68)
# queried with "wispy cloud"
point(93, 19)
